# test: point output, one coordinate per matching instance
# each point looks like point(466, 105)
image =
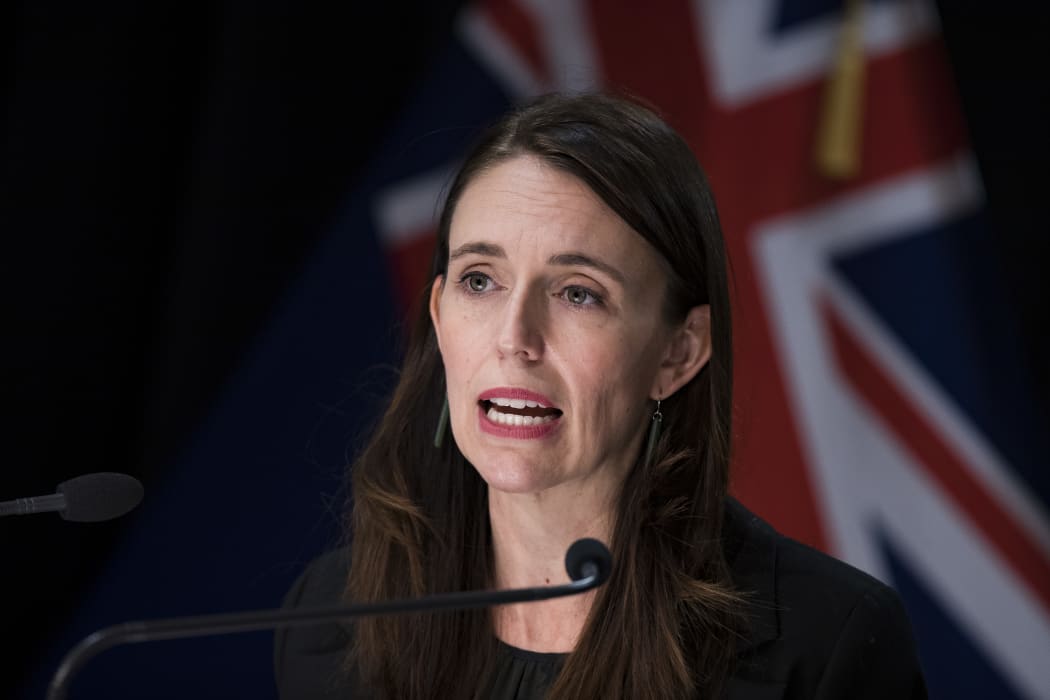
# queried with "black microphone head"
point(586, 552)
point(101, 496)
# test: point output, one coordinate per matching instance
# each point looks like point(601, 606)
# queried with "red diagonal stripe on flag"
point(518, 27)
point(410, 266)
point(940, 460)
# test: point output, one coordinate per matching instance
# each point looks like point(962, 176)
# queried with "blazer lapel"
point(751, 552)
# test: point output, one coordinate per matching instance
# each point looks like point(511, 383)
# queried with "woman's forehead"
point(525, 203)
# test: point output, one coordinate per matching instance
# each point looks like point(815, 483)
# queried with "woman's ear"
point(435, 303)
point(688, 350)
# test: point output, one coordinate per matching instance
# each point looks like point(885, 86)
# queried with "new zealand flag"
point(882, 401)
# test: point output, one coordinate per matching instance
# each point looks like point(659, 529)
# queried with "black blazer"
point(820, 628)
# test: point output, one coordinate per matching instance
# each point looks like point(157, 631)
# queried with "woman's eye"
point(578, 296)
point(476, 282)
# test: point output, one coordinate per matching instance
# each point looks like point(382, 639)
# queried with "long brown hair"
point(664, 624)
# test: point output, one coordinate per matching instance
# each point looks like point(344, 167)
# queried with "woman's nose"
point(521, 331)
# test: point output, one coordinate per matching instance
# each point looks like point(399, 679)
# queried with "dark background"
point(166, 171)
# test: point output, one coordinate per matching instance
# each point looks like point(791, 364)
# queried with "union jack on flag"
point(882, 408)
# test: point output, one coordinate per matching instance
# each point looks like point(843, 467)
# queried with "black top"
point(522, 674)
point(819, 629)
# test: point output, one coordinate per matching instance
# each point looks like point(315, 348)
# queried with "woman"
point(575, 359)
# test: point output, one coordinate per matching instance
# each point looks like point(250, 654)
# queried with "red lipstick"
point(503, 392)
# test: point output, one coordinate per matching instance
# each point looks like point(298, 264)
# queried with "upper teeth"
point(517, 403)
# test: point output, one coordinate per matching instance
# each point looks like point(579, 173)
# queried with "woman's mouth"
point(516, 413)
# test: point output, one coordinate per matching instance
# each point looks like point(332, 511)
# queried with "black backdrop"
point(166, 167)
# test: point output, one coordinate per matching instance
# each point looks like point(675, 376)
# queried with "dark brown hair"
point(664, 624)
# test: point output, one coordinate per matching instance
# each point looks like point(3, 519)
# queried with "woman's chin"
point(517, 479)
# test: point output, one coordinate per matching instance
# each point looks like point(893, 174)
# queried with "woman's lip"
point(515, 393)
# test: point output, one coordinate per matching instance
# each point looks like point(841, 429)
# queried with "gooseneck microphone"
point(86, 499)
point(587, 562)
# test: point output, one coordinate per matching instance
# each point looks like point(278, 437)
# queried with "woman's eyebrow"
point(493, 250)
point(587, 261)
point(478, 248)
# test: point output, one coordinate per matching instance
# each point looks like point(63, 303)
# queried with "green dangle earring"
point(439, 434)
point(655, 427)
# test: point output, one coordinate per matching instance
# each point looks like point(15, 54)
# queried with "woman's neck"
point(530, 535)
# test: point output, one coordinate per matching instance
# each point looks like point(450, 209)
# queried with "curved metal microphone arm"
point(39, 504)
point(211, 625)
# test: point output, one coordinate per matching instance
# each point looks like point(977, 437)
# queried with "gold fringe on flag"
point(839, 133)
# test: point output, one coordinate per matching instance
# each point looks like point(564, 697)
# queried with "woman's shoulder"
point(779, 568)
point(323, 580)
point(819, 627)
point(308, 660)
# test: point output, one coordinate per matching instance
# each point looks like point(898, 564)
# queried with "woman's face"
point(552, 331)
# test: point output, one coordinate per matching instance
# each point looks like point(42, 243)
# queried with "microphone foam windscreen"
point(101, 496)
point(586, 551)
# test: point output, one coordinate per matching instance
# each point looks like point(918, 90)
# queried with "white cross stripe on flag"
point(566, 60)
point(745, 63)
point(408, 209)
point(867, 480)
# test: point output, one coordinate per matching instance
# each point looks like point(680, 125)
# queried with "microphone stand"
point(229, 623)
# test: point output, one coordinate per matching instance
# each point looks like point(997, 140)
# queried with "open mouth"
point(518, 412)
